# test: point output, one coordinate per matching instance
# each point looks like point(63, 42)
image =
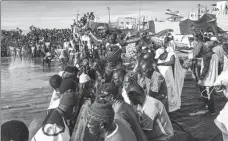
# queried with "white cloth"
point(172, 44)
point(225, 64)
point(222, 79)
point(61, 73)
point(174, 85)
point(220, 52)
point(125, 96)
point(159, 52)
point(83, 78)
point(114, 45)
point(212, 74)
point(221, 5)
point(55, 100)
point(66, 45)
point(61, 53)
point(223, 116)
point(51, 129)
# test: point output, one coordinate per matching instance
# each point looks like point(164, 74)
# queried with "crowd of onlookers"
point(101, 94)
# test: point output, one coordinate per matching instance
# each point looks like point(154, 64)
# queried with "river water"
point(25, 89)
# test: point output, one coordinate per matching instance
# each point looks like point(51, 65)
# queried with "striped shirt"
point(225, 66)
point(155, 119)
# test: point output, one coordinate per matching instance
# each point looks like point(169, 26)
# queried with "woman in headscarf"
point(169, 66)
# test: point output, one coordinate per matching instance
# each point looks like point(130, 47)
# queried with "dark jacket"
point(206, 64)
point(125, 113)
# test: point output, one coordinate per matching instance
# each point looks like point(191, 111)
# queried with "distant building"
point(193, 16)
point(127, 22)
point(114, 25)
point(221, 8)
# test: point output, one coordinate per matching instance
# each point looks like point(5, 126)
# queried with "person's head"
point(199, 37)
point(14, 130)
point(208, 46)
point(109, 92)
point(118, 76)
point(136, 94)
point(70, 72)
point(68, 84)
point(100, 117)
point(55, 81)
point(130, 78)
point(147, 68)
point(113, 38)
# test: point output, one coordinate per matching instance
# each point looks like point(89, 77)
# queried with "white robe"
point(212, 74)
point(223, 80)
point(174, 85)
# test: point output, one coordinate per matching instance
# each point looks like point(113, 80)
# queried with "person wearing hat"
point(100, 117)
point(153, 83)
point(86, 90)
point(208, 75)
point(152, 114)
point(14, 130)
point(57, 126)
point(123, 111)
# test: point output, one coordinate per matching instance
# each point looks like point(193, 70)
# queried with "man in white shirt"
point(153, 116)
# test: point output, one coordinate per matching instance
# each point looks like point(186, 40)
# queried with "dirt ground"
point(202, 127)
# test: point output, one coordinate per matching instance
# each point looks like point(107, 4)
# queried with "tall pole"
point(198, 11)
point(109, 14)
point(77, 16)
point(139, 15)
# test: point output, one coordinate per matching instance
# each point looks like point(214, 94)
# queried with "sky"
point(60, 14)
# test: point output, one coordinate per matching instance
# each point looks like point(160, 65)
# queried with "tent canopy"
point(207, 23)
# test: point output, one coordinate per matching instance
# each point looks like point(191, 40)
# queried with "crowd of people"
point(105, 93)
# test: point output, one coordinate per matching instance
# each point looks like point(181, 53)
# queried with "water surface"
point(25, 89)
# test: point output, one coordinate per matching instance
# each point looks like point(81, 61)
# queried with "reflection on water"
point(20, 75)
point(25, 89)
